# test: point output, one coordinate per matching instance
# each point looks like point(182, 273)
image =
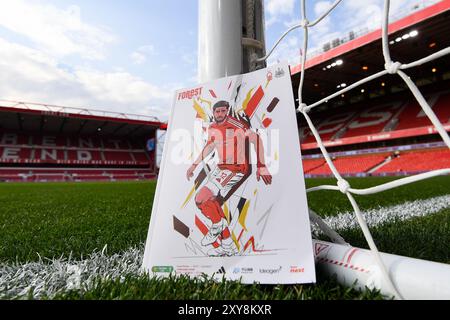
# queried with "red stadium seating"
point(55, 143)
point(140, 156)
point(48, 174)
point(118, 156)
point(361, 120)
point(117, 144)
point(92, 178)
point(85, 172)
point(372, 120)
point(346, 165)
point(421, 161)
point(77, 154)
point(49, 149)
point(311, 164)
point(328, 126)
point(412, 115)
point(48, 177)
point(126, 177)
point(12, 178)
point(410, 162)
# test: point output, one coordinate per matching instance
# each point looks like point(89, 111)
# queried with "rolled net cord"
point(343, 186)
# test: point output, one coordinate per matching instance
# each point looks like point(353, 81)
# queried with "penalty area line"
point(379, 216)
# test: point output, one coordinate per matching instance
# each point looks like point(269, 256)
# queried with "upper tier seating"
point(413, 116)
point(361, 120)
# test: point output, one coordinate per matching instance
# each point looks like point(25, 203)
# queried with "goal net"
point(391, 67)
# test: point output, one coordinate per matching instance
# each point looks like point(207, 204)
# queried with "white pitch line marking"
point(49, 277)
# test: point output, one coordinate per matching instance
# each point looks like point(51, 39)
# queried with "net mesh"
point(391, 67)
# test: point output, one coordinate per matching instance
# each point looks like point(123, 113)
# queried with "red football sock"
point(212, 210)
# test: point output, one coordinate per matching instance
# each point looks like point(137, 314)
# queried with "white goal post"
point(387, 272)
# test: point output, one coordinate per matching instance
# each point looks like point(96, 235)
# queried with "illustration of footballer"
point(230, 199)
point(229, 138)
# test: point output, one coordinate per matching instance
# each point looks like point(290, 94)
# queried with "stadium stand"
point(360, 121)
point(46, 145)
point(312, 164)
point(349, 165)
point(378, 128)
point(381, 164)
point(417, 161)
point(413, 116)
point(366, 128)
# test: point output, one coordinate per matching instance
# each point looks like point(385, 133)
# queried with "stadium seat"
point(419, 161)
point(71, 151)
point(311, 164)
point(361, 120)
point(372, 120)
point(350, 165)
point(73, 174)
point(412, 115)
point(117, 156)
point(141, 157)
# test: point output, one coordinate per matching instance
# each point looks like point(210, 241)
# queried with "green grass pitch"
point(62, 219)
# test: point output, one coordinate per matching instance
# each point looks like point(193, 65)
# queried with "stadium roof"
point(32, 117)
point(413, 37)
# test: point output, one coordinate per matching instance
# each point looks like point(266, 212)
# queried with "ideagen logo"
point(270, 271)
